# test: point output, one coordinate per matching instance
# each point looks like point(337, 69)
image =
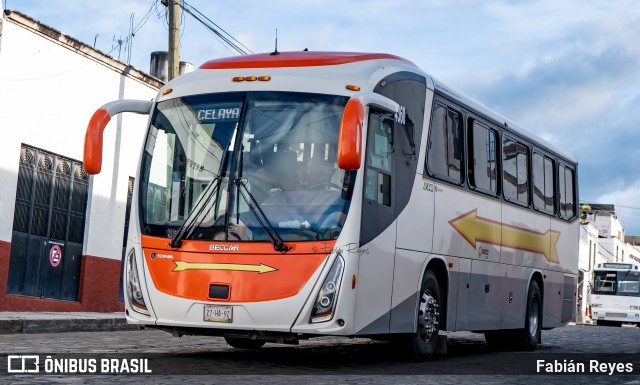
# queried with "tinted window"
point(444, 157)
point(566, 183)
point(543, 192)
point(379, 160)
point(515, 160)
point(276, 151)
point(482, 157)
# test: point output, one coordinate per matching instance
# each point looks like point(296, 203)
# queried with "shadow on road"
point(367, 357)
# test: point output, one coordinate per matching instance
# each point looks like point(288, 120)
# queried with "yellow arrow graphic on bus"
point(474, 229)
point(260, 269)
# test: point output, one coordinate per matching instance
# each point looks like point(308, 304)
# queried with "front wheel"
point(422, 344)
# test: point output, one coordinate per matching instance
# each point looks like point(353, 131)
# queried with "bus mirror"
point(350, 138)
point(99, 120)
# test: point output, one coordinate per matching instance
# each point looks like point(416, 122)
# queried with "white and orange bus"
point(291, 195)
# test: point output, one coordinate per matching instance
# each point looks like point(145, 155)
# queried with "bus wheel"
point(527, 338)
point(422, 344)
point(244, 343)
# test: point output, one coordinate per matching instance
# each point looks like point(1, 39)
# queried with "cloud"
point(577, 87)
point(626, 200)
point(565, 70)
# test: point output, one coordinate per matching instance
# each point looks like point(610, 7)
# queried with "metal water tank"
point(160, 65)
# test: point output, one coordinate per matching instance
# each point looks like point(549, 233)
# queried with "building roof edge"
point(81, 48)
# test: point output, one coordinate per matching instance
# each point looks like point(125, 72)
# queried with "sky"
point(568, 70)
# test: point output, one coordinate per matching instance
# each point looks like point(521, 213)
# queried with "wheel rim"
point(533, 317)
point(427, 317)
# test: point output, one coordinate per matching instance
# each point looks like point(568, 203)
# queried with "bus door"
point(413, 198)
point(377, 236)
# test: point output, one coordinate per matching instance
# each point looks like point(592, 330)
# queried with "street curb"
point(36, 326)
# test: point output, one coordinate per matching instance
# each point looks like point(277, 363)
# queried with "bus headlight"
point(325, 304)
point(634, 307)
point(134, 290)
point(596, 305)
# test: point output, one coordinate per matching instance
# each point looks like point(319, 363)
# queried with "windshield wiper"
point(190, 222)
point(278, 243)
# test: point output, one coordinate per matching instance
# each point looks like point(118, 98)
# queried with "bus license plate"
point(215, 313)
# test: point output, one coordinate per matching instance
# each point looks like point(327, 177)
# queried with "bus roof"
point(296, 59)
point(301, 59)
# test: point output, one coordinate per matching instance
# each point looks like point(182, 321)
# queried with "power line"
point(628, 207)
point(223, 36)
point(128, 41)
point(218, 27)
point(586, 201)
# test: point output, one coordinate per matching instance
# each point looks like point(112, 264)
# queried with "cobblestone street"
point(331, 360)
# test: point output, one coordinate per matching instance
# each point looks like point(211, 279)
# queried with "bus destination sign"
point(222, 112)
point(626, 266)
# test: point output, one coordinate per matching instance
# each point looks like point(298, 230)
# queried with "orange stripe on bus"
point(296, 59)
point(255, 272)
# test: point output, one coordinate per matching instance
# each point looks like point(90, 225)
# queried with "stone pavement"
point(56, 322)
point(327, 360)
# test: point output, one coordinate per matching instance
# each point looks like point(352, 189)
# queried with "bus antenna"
point(274, 53)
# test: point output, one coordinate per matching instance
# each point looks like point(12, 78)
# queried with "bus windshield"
point(625, 283)
point(237, 165)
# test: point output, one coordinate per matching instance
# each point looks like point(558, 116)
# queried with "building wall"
point(589, 256)
point(50, 85)
point(595, 250)
point(608, 224)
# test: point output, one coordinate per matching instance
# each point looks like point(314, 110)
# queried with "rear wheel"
point(422, 344)
point(244, 343)
point(527, 338)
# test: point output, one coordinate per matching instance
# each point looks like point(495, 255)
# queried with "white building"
point(589, 257)
point(602, 240)
point(61, 237)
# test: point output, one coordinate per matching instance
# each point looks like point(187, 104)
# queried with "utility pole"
point(174, 39)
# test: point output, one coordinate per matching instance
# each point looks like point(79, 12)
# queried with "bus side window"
point(444, 153)
point(482, 157)
point(379, 151)
point(543, 192)
point(515, 166)
point(566, 183)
